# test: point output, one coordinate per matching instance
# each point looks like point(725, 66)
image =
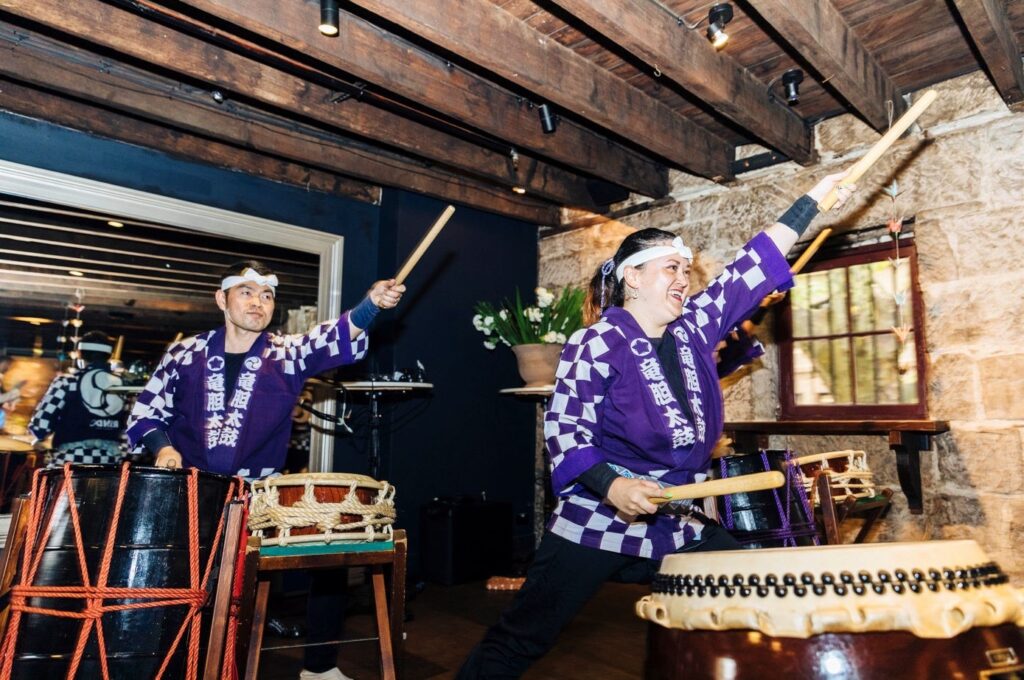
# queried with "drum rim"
point(341, 479)
point(135, 470)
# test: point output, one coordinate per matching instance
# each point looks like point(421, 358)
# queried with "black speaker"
point(465, 539)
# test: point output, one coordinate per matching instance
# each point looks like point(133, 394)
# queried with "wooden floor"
point(605, 642)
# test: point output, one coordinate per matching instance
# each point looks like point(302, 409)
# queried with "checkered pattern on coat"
point(732, 296)
point(88, 452)
point(47, 412)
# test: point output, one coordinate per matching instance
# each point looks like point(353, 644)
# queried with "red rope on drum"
point(229, 669)
point(194, 597)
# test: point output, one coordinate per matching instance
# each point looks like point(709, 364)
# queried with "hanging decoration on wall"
point(899, 295)
point(71, 330)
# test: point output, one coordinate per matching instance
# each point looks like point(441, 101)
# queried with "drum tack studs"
point(933, 586)
point(745, 591)
point(901, 575)
point(933, 574)
point(762, 591)
point(789, 579)
point(846, 577)
point(799, 591)
point(737, 580)
point(897, 588)
point(780, 591)
point(948, 574)
point(771, 580)
point(807, 578)
point(918, 575)
point(883, 576)
point(878, 588)
point(723, 580)
point(714, 591)
point(754, 579)
point(864, 576)
point(859, 589)
point(915, 587)
point(827, 578)
point(709, 580)
point(729, 591)
point(819, 589)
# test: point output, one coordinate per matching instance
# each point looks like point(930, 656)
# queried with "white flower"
point(560, 338)
point(533, 314)
point(505, 342)
point(503, 314)
point(544, 298)
point(489, 322)
point(478, 322)
point(491, 344)
point(550, 336)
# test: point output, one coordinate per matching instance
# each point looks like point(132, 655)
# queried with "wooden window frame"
point(784, 336)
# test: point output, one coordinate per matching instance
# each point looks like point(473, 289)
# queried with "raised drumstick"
point(810, 251)
point(424, 243)
point(881, 146)
point(721, 487)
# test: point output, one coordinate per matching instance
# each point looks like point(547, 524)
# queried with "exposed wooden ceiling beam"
point(818, 32)
point(30, 102)
point(140, 38)
point(101, 81)
point(687, 58)
point(990, 29)
point(555, 73)
point(373, 55)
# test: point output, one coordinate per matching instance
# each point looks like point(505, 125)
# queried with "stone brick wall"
point(962, 175)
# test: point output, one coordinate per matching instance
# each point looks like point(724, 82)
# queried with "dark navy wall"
point(466, 439)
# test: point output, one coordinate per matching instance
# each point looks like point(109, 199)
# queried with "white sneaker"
point(333, 674)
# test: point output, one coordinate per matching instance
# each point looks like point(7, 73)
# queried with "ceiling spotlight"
point(115, 224)
point(718, 16)
point(548, 120)
point(519, 189)
point(329, 17)
point(75, 272)
point(791, 80)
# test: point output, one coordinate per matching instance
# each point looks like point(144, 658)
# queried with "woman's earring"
point(634, 293)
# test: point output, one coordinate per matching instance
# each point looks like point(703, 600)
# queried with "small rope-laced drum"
point(938, 609)
point(321, 507)
point(848, 474)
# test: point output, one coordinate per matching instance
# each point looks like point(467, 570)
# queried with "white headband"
point(648, 254)
point(95, 347)
point(249, 275)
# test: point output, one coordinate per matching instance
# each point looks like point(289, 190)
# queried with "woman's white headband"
point(249, 275)
point(648, 254)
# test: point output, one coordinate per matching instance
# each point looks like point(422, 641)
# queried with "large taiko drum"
point(152, 548)
point(938, 609)
point(321, 507)
point(768, 518)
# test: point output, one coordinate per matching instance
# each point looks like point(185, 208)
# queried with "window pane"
point(862, 299)
point(864, 367)
point(818, 294)
point(887, 386)
point(907, 366)
point(842, 385)
point(800, 308)
point(884, 282)
point(837, 301)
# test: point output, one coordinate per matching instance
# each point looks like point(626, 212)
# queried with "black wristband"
point(598, 478)
point(800, 214)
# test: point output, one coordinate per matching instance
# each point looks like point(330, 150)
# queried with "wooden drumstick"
point(424, 243)
point(721, 487)
point(810, 251)
point(880, 147)
point(116, 355)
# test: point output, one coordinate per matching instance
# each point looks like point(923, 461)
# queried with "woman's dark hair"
point(604, 285)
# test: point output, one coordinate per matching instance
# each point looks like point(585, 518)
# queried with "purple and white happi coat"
point(242, 430)
point(613, 404)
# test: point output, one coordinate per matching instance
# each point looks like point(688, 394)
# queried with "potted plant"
point(536, 332)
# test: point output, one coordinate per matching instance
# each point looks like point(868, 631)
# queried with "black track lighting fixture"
point(719, 15)
point(548, 119)
point(791, 80)
point(329, 17)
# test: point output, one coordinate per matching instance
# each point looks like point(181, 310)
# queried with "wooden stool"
point(389, 603)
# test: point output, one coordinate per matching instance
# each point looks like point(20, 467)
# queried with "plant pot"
point(538, 363)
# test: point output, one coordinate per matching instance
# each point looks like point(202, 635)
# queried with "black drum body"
point(151, 551)
point(772, 518)
point(989, 652)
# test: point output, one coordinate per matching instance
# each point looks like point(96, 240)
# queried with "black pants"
point(325, 616)
point(563, 577)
